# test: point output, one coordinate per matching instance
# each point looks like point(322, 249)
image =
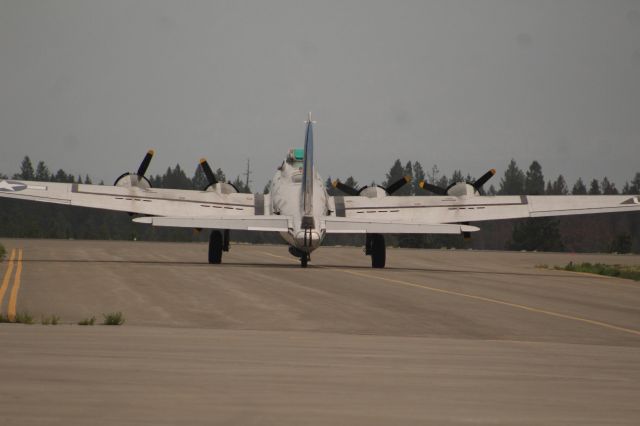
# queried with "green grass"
point(113, 318)
point(88, 321)
point(23, 318)
point(2, 252)
point(620, 271)
point(52, 320)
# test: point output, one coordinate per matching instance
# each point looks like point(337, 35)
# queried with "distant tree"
point(633, 187)
point(608, 188)
point(513, 181)
point(42, 172)
point(60, 176)
point(395, 173)
point(557, 187)
point(220, 175)
point(418, 175)
point(457, 176)
point(176, 179)
point(199, 180)
point(540, 234)
point(87, 180)
point(594, 188)
point(492, 190)
point(579, 188)
point(26, 170)
point(241, 186)
point(534, 180)
point(350, 181)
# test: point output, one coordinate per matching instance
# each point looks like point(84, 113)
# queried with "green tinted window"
point(298, 153)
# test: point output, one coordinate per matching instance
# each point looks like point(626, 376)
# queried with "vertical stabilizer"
point(307, 176)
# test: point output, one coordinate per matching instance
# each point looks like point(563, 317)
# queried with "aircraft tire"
point(215, 247)
point(303, 261)
point(378, 251)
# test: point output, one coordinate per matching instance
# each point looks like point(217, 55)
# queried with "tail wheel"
point(215, 247)
point(377, 250)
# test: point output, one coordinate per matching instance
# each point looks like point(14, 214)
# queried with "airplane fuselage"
point(287, 199)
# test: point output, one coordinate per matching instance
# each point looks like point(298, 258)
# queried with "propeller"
point(389, 190)
point(137, 179)
point(145, 163)
point(477, 185)
point(211, 177)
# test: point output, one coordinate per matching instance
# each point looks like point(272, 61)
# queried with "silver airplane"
point(300, 209)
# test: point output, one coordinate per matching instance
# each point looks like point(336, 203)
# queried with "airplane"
point(300, 209)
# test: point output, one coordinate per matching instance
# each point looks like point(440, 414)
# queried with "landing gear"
point(302, 255)
point(227, 236)
point(215, 247)
point(375, 247)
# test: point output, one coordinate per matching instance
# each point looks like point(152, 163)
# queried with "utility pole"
point(247, 174)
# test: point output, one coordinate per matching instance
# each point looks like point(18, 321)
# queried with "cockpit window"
point(295, 157)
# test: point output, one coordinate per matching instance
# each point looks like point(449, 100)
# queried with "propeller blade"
point(483, 179)
point(145, 163)
point(345, 188)
point(211, 178)
point(432, 188)
point(398, 184)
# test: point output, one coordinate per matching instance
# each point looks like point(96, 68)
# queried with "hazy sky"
point(89, 86)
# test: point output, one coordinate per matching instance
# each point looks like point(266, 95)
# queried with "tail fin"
point(307, 176)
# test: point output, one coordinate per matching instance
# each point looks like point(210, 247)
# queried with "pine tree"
point(579, 188)
point(42, 172)
point(513, 181)
point(608, 188)
point(558, 187)
point(418, 176)
point(534, 180)
point(26, 170)
point(594, 188)
point(395, 173)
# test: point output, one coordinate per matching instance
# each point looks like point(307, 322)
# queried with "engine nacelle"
point(373, 192)
point(461, 189)
point(222, 188)
point(132, 180)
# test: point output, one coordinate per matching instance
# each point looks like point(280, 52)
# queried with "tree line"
point(618, 232)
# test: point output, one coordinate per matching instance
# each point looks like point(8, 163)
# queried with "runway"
point(447, 337)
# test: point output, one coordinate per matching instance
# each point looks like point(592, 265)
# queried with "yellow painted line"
point(486, 299)
point(7, 277)
point(13, 299)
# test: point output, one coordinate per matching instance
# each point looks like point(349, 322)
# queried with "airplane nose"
point(307, 239)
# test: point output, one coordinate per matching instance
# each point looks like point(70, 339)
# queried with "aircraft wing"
point(247, 223)
point(338, 225)
point(450, 209)
point(152, 201)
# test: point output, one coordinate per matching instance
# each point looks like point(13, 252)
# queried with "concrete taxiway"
point(447, 337)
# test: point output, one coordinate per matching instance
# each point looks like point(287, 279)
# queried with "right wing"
point(341, 225)
point(244, 223)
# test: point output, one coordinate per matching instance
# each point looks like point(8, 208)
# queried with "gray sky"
point(89, 86)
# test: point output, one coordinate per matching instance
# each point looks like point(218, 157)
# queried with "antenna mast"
point(247, 174)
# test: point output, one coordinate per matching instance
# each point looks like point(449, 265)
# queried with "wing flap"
point(248, 223)
point(333, 225)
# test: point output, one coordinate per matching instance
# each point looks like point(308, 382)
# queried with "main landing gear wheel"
point(215, 247)
point(376, 248)
point(303, 261)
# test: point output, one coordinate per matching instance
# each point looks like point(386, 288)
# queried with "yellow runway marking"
point(7, 277)
point(13, 299)
point(485, 299)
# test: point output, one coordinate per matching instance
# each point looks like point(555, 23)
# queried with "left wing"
point(472, 208)
point(152, 201)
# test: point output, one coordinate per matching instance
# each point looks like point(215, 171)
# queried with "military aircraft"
point(300, 209)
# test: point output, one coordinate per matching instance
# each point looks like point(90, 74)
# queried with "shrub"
point(113, 318)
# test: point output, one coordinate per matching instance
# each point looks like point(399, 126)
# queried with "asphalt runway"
point(439, 337)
